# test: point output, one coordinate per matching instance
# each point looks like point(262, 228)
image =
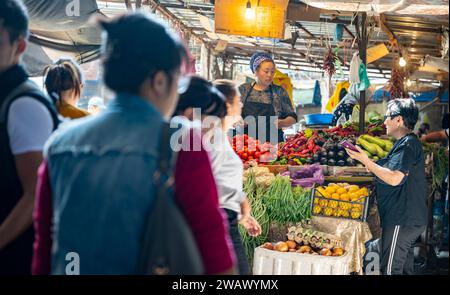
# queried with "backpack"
point(167, 244)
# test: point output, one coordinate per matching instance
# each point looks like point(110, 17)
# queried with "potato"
point(268, 246)
point(291, 244)
point(338, 251)
point(325, 252)
point(304, 249)
point(282, 247)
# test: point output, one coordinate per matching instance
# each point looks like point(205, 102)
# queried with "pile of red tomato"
point(250, 149)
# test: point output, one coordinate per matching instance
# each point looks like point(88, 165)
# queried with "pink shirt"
point(196, 193)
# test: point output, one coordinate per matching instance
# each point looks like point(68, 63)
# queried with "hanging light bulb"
point(402, 62)
point(408, 83)
point(249, 12)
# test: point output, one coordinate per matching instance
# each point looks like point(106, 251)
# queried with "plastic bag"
point(308, 175)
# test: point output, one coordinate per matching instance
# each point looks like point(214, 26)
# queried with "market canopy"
point(60, 29)
point(419, 29)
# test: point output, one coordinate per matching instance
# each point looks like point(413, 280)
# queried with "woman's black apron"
point(265, 110)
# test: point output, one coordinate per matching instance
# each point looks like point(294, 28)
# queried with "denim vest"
point(101, 170)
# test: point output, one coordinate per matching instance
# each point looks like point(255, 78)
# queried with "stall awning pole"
point(362, 45)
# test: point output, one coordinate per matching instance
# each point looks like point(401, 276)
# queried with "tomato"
point(257, 155)
point(250, 158)
point(244, 155)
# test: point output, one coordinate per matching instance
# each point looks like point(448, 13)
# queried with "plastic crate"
point(270, 262)
point(317, 199)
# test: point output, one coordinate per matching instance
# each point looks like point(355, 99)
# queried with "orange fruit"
point(353, 196)
point(341, 191)
point(353, 188)
point(344, 197)
point(330, 189)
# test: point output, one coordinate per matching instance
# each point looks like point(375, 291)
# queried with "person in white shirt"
point(220, 105)
point(27, 118)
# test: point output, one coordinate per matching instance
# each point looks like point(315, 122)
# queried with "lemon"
point(345, 213)
point(328, 211)
point(332, 204)
point(317, 209)
point(357, 207)
point(355, 215)
point(323, 203)
point(344, 205)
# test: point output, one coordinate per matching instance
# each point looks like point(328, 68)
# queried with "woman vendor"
point(265, 105)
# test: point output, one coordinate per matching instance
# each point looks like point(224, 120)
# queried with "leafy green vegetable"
point(255, 197)
point(285, 204)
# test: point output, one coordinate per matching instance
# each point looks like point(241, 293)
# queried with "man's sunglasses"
point(391, 116)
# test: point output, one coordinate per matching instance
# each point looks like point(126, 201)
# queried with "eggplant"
point(331, 154)
point(350, 162)
point(323, 161)
point(340, 148)
point(341, 154)
point(324, 154)
point(315, 158)
point(308, 161)
point(341, 163)
point(331, 162)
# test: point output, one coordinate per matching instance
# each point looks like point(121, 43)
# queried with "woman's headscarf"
point(258, 58)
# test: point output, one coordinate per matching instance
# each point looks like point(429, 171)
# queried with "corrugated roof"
point(417, 35)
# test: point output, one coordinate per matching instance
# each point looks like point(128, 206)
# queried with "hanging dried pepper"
point(329, 62)
point(396, 87)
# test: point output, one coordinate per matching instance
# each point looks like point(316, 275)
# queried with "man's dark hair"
point(407, 109)
point(14, 18)
point(136, 48)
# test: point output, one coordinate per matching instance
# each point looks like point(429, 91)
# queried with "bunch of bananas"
point(340, 200)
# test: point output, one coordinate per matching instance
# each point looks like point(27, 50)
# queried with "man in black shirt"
point(401, 188)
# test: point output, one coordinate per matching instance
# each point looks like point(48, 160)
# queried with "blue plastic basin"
point(318, 119)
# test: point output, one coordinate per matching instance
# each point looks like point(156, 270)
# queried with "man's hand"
point(360, 155)
point(20, 218)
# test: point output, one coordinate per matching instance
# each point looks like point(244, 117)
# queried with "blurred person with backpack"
point(98, 194)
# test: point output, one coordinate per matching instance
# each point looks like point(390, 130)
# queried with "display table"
point(354, 234)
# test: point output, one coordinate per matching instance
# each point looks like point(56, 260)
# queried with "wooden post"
point(208, 74)
point(362, 45)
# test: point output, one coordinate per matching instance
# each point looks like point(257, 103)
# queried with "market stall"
point(309, 179)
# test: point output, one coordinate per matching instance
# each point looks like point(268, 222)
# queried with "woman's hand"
point(284, 123)
point(251, 225)
point(360, 155)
